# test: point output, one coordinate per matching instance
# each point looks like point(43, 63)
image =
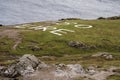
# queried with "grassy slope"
point(105, 35)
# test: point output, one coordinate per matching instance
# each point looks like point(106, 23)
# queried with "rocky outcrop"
point(104, 55)
point(26, 64)
point(70, 70)
point(80, 45)
point(29, 67)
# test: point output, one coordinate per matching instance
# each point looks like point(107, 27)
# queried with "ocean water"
point(24, 11)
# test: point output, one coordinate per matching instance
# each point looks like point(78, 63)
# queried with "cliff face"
point(13, 12)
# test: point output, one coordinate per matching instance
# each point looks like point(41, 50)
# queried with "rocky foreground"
point(29, 67)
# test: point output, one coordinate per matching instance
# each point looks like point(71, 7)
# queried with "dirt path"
point(11, 34)
point(17, 43)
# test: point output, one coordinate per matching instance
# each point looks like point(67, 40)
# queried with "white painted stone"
point(58, 31)
point(67, 23)
point(20, 27)
point(75, 23)
point(36, 28)
point(83, 26)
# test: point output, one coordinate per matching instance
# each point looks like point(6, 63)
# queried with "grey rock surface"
point(26, 65)
point(80, 45)
point(30, 67)
point(105, 55)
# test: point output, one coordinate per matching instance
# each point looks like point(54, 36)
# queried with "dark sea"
point(25, 11)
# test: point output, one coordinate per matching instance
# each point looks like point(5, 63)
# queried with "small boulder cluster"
point(69, 19)
point(26, 65)
point(81, 45)
point(104, 55)
point(35, 48)
point(109, 18)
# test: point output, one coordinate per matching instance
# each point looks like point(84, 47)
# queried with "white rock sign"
point(54, 30)
point(58, 31)
point(83, 26)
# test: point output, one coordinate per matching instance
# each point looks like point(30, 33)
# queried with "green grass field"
point(105, 35)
